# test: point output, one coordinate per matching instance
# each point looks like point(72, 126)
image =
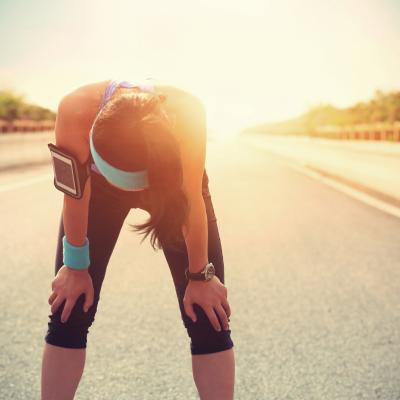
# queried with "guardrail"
point(24, 148)
point(25, 126)
point(378, 131)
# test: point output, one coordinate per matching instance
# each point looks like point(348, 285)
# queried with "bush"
point(383, 107)
point(13, 106)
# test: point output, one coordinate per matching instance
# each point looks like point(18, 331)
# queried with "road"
point(313, 281)
point(367, 164)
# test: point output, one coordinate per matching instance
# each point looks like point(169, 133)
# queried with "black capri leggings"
point(108, 209)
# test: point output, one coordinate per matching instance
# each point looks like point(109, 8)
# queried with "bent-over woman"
point(121, 145)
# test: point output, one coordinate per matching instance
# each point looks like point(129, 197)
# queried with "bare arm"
point(72, 126)
point(211, 295)
point(70, 132)
point(192, 134)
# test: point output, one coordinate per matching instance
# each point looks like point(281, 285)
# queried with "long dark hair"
point(132, 132)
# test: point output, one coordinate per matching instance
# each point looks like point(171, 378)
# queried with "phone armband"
point(70, 175)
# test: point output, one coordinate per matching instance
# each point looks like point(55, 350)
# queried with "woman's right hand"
point(68, 285)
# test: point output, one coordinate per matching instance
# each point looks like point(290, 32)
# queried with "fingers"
point(56, 303)
point(52, 298)
point(89, 294)
point(69, 304)
point(188, 307)
point(226, 306)
point(212, 317)
point(222, 315)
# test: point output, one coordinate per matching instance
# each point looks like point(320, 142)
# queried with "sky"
point(249, 61)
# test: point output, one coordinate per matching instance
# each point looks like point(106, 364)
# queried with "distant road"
point(313, 278)
point(371, 165)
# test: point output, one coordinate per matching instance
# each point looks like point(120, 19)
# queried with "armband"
point(76, 257)
point(70, 175)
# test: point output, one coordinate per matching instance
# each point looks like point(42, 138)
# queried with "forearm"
point(195, 232)
point(75, 217)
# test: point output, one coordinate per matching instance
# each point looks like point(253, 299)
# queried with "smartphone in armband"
point(70, 175)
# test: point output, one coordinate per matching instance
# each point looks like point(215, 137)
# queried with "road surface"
point(313, 281)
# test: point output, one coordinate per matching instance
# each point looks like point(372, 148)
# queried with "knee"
point(72, 333)
point(204, 338)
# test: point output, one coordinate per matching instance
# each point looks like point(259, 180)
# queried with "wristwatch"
point(205, 275)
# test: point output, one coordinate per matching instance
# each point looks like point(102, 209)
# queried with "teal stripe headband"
point(128, 180)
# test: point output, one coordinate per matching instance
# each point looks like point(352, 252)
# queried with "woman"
point(145, 144)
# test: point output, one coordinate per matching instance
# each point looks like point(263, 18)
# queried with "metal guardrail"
point(18, 149)
point(378, 131)
point(26, 126)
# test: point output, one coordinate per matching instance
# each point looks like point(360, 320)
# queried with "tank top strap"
point(112, 85)
point(145, 85)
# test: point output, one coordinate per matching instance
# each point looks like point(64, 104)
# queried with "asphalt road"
point(313, 278)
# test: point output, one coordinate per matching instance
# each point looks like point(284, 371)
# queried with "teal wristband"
point(76, 257)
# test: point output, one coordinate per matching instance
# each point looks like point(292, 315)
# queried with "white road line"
point(16, 185)
point(355, 193)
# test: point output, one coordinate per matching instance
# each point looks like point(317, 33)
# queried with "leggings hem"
point(66, 344)
point(211, 350)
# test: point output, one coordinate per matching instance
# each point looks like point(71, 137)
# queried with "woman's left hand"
point(212, 297)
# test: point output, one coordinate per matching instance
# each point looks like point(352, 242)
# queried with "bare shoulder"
point(191, 132)
point(188, 112)
point(75, 115)
point(179, 99)
point(82, 102)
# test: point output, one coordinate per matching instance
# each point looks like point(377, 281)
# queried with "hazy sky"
point(250, 61)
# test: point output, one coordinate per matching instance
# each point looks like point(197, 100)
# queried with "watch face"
point(210, 272)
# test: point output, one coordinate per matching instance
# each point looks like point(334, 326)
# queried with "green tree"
point(13, 106)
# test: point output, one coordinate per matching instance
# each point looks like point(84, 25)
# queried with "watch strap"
point(199, 276)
